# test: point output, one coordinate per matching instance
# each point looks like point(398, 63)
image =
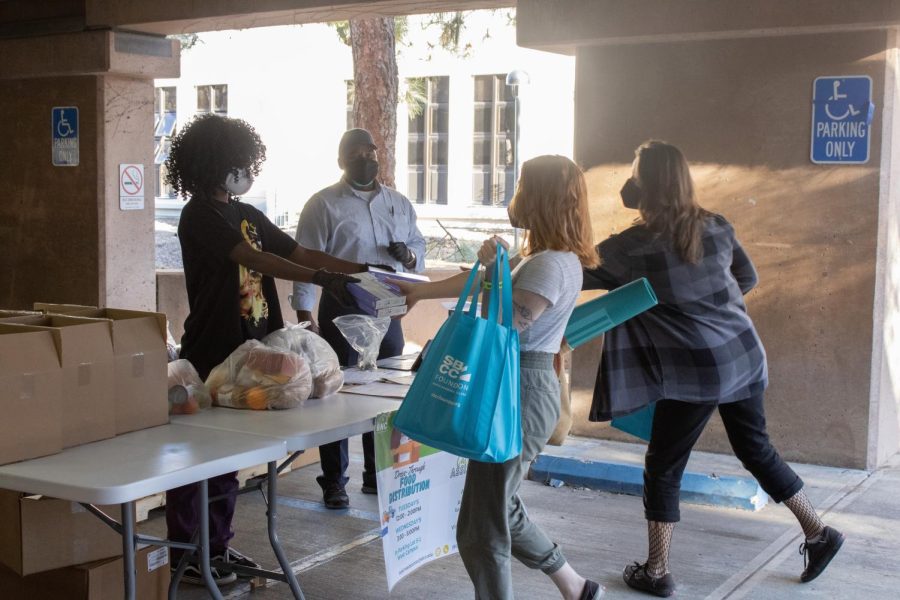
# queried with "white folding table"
point(123, 469)
point(315, 422)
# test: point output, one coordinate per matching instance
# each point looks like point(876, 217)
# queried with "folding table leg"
point(204, 542)
point(271, 513)
point(128, 548)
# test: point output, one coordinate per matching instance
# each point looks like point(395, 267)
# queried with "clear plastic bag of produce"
point(323, 362)
point(258, 377)
point(187, 392)
point(364, 334)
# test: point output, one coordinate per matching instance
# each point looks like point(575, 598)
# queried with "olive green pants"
point(493, 524)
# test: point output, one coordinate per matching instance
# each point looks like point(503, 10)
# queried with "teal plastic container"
point(602, 314)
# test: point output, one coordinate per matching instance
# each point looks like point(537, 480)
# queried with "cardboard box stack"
point(98, 580)
point(65, 380)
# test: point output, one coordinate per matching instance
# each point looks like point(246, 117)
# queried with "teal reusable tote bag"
point(465, 397)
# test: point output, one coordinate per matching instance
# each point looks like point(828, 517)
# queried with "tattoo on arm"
point(523, 317)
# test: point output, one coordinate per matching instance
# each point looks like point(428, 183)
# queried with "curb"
point(696, 488)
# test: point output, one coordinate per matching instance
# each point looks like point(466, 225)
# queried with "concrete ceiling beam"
point(99, 52)
point(175, 16)
point(550, 25)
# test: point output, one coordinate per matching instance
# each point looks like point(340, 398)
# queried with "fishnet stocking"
point(803, 509)
point(659, 536)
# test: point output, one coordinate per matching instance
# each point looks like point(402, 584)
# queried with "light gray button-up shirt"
point(343, 223)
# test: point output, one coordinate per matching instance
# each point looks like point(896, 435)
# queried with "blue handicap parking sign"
point(64, 136)
point(841, 119)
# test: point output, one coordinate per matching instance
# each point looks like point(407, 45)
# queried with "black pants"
point(676, 427)
point(335, 456)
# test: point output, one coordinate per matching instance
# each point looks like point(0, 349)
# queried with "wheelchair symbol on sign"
point(835, 96)
point(63, 128)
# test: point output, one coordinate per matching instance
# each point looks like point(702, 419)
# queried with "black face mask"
point(361, 171)
point(631, 194)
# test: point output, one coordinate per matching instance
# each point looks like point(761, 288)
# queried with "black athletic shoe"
point(637, 578)
point(335, 496)
point(817, 555)
point(233, 557)
point(193, 576)
point(591, 591)
point(369, 489)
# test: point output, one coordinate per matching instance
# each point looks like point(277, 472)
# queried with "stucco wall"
point(740, 110)
point(48, 215)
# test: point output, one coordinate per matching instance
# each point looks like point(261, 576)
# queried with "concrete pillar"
point(732, 87)
point(63, 237)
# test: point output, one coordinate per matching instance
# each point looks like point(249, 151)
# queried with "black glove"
point(336, 285)
point(370, 266)
point(399, 251)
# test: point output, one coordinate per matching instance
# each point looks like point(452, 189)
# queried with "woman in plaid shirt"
point(697, 351)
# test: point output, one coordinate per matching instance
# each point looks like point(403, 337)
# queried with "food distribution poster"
point(419, 493)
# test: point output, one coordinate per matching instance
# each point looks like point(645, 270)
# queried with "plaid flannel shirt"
point(698, 344)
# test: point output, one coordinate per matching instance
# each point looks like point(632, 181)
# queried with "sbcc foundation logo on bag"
point(452, 377)
point(454, 369)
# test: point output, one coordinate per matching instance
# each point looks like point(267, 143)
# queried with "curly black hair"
point(209, 148)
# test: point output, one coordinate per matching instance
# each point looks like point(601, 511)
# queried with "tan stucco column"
point(731, 84)
point(63, 237)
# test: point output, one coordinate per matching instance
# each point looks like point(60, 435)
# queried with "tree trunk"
point(375, 86)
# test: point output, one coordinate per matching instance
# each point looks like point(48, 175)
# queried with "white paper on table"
point(378, 388)
point(398, 363)
point(399, 378)
point(354, 376)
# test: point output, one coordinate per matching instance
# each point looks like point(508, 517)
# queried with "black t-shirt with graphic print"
point(229, 303)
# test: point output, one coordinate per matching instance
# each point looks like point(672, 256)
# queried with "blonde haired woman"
point(551, 204)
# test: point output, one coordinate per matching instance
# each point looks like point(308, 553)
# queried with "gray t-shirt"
point(556, 276)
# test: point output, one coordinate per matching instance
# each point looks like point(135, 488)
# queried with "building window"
point(164, 113)
point(494, 142)
point(429, 132)
point(212, 99)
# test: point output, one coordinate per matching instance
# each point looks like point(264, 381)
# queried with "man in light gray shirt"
point(360, 220)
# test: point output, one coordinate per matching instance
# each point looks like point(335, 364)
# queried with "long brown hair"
point(551, 202)
point(668, 206)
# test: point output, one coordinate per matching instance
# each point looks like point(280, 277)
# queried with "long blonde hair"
point(668, 206)
point(551, 202)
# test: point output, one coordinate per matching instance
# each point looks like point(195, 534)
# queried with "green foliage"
point(342, 28)
point(450, 26)
point(415, 96)
point(187, 40)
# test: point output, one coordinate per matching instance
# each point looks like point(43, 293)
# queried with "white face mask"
point(240, 184)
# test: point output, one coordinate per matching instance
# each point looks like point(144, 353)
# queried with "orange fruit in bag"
point(256, 398)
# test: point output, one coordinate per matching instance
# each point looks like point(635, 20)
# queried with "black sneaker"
point(636, 577)
point(193, 576)
point(335, 496)
point(817, 555)
point(369, 488)
point(233, 557)
point(591, 591)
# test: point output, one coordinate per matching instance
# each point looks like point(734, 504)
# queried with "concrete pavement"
point(717, 553)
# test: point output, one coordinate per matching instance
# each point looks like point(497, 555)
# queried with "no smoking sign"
point(131, 187)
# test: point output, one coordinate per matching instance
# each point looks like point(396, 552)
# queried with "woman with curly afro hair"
point(231, 254)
